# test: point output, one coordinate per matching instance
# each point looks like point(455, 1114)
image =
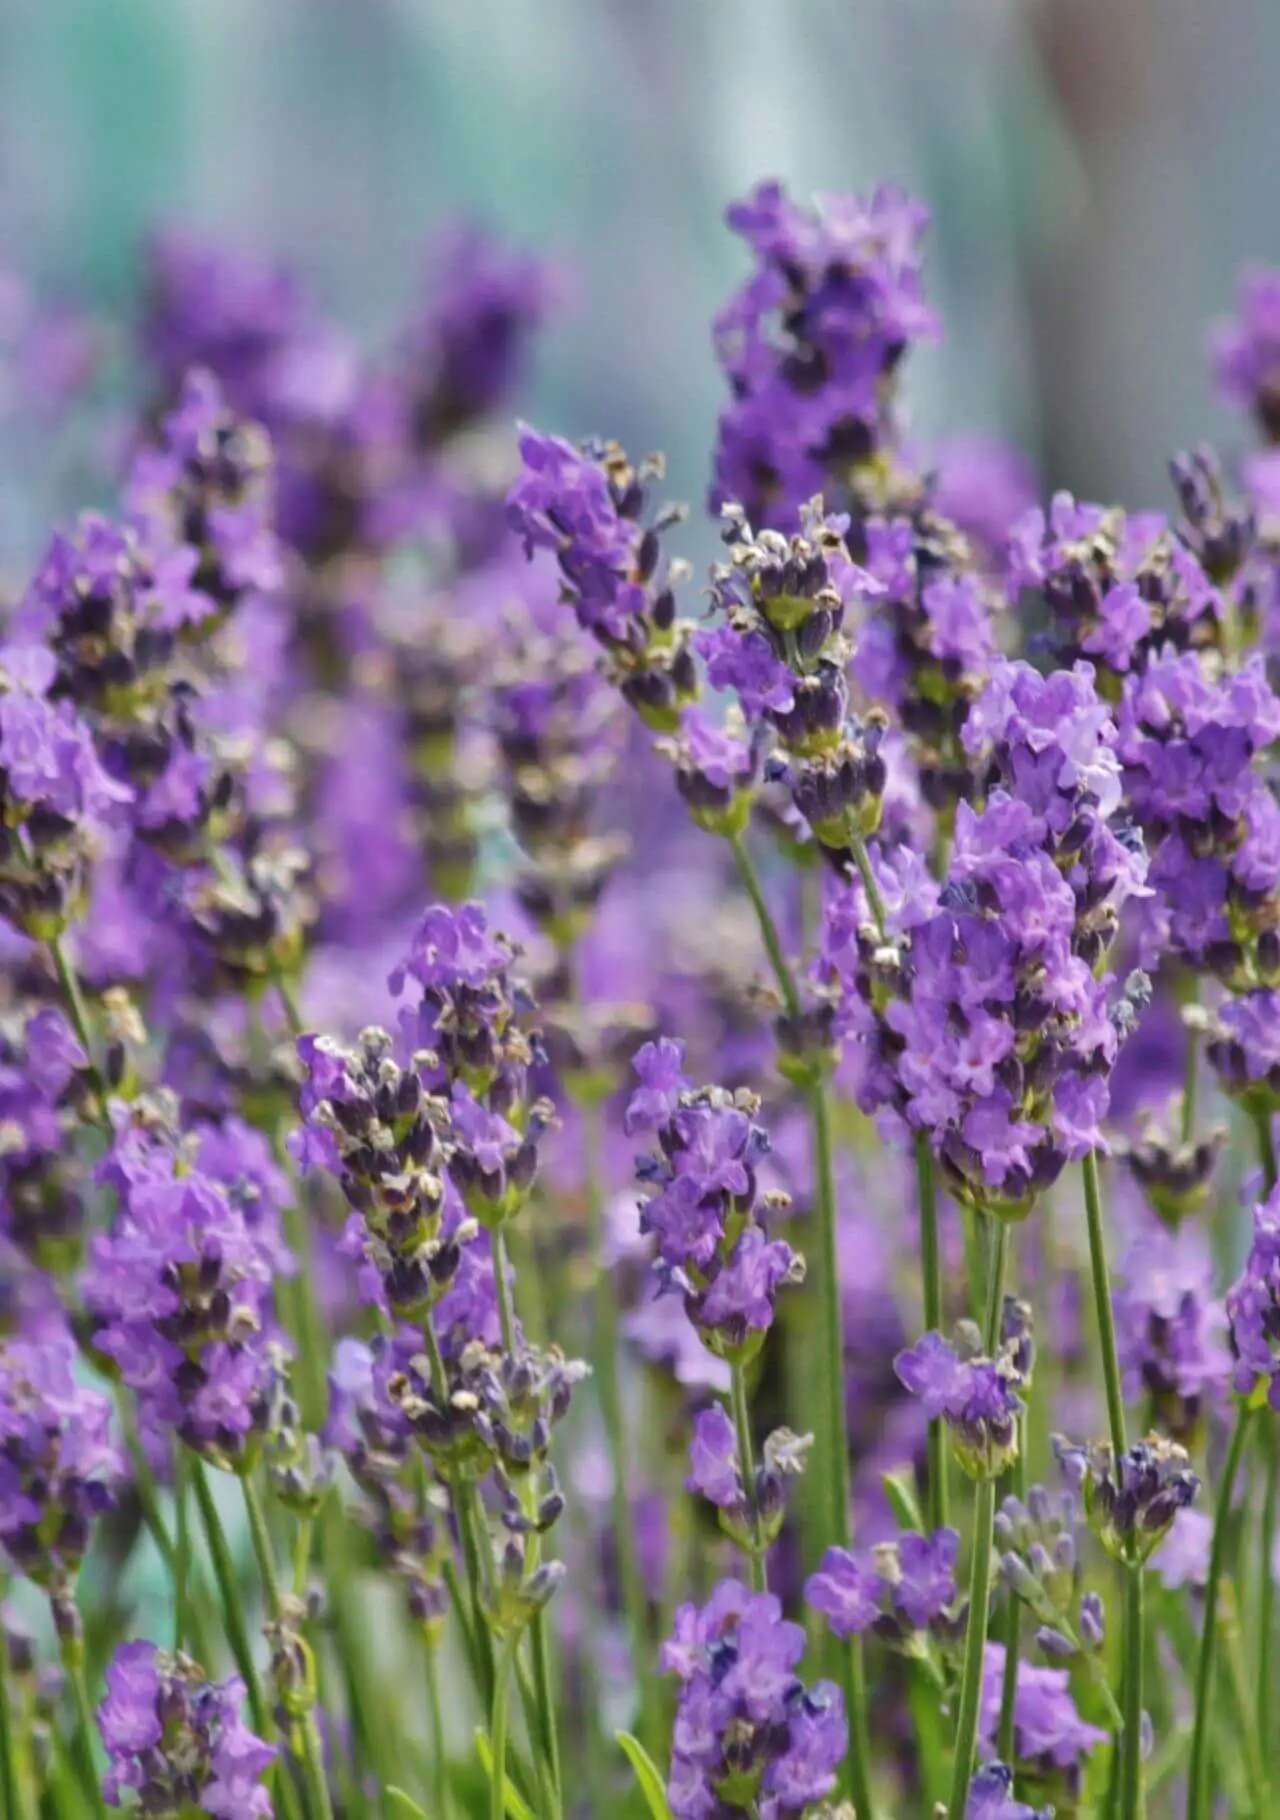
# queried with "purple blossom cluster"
point(990, 1030)
point(59, 1468)
point(1121, 588)
point(977, 1397)
point(179, 1290)
point(904, 1591)
point(748, 1733)
point(1188, 745)
point(705, 1207)
point(811, 345)
point(177, 1741)
point(1253, 1308)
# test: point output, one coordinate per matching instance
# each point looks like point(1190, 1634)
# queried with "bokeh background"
point(1097, 169)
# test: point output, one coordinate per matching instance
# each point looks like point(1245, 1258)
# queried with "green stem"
point(1131, 1737)
point(1103, 1306)
point(73, 1666)
point(980, 1571)
point(498, 1734)
point(834, 1459)
point(635, 1601)
point(1242, 1706)
point(862, 860)
point(1013, 1620)
point(1267, 1597)
point(1189, 1081)
point(747, 1466)
point(975, 1649)
point(768, 928)
point(1129, 1744)
point(1198, 1773)
point(997, 1271)
point(1266, 1148)
point(317, 1783)
point(224, 1574)
point(12, 1787)
point(540, 1642)
point(546, 1707)
point(181, 1553)
point(931, 1277)
point(69, 983)
point(439, 1762)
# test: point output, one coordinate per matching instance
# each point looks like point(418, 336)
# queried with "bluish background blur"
point(1097, 170)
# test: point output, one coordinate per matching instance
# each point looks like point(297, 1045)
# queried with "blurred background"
point(1097, 171)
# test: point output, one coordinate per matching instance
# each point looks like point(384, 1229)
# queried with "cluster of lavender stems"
point(482, 1020)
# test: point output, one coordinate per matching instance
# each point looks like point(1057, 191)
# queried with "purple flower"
point(1253, 1308)
point(1120, 588)
point(812, 341)
point(991, 1797)
point(713, 1459)
point(207, 486)
point(1247, 349)
point(659, 1069)
point(704, 1207)
point(466, 351)
point(848, 1589)
point(927, 1568)
point(180, 1292)
point(1170, 1328)
point(743, 1712)
point(1048, 1731)
point(976, 1397)
point(58, 1467)
point(176, 1739)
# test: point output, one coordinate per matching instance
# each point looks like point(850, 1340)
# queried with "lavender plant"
point(562, 1156)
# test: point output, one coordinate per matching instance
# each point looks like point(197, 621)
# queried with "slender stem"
point(1130, 1742)
point(73, 1665)
point(975, 1649)
point(69, 982)
point(604, 1359)
point(1242, 1706)
point(768, 928)
point(263, 1552)
point(1198, 1773)
point(1266, 1148)
point(13, 1794)
point(181, 1553)
point(980, 1571)
point(834, 1459)
point(931, 1277)
point(1267, 1597)
point(862, 860)
point(747, 1466)
point(317, 1782)
point(1013, 1620)
point(1131, 1738)
point(224, 1574)
point(998, 1268)
point(1102, 1303)
point(498, 1734)
point(1189, 1082)
point(546, 1706)
point(540, 1642)
point(502, 1288)
point(439, 1762)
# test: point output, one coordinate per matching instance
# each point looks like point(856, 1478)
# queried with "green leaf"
point(901, 1494)
point(648, 1775)
point(405, 1805)
point(516, 1807)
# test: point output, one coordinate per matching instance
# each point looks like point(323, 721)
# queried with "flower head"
point(747, 1731)
point(178, 1740)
